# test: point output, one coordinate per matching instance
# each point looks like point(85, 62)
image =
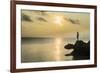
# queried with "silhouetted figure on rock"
point(81, 50)
point(77, 35)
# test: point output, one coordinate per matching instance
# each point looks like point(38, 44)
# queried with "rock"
point(69, 46)
point(81, 50)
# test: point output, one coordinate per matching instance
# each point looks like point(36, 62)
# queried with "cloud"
point(73, 21)
point(41, 19)
point(41, 12)
point(25, 17)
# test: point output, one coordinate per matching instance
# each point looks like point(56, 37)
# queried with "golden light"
point(58, 20)
point(58, 47)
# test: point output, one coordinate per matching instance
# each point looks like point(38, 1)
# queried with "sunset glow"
point(58, 20)
point(45, 34)
point(54, 24)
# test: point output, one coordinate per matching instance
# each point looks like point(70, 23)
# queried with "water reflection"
point(41, 50)
point(58, 43)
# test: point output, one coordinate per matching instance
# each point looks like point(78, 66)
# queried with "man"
point(77, 35)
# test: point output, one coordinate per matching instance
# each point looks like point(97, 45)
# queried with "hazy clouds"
point(51, 24)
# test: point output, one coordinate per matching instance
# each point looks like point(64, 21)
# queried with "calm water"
point(45, 49)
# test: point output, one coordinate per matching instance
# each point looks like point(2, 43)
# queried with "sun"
point(58, 20)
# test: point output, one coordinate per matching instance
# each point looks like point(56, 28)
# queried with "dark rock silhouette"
point(81, 50)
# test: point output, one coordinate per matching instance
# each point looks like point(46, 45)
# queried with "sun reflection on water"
point(58, 42)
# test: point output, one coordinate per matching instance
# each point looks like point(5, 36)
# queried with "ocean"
point(45, 49)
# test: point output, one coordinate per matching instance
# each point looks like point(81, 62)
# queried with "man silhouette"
point(77, 35)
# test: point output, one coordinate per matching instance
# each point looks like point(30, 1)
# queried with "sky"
point(54, 24)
